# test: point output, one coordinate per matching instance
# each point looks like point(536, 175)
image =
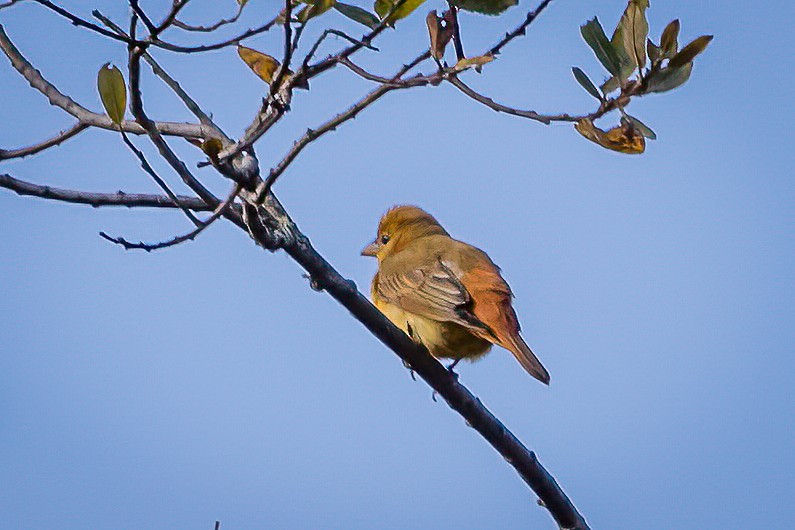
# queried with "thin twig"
point(6, 154)
point(207, 29)
point(520, 30)
point(172, 83)
point(150, 26)
point(9, 3)
point(190, 236)
point(311, 54)
point(281, 71)
point(233, 41)
point(137, 108)
point(77, 21)
point(160, 182)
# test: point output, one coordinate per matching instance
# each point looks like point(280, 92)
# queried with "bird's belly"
point(443, 339)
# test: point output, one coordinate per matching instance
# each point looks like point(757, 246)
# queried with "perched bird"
point(444, 293)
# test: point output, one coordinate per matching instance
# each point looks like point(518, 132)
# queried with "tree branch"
point(160, 182)
point(85, 116)
point(477, 416)
point(190, 236)
point(520, 30)
point(6, 154)
point(207, 29)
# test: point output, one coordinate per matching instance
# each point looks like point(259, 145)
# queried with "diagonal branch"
point(136, 106)
point(477, 416)
point(6, 154)
point(160, 182)
point(172, 83)
point(520, 30)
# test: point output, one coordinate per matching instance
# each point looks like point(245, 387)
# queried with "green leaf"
point(486, 7)
point(654, 52)
point(314, 8)
point(586, 83)
point(112, 92)
point(668, 40)
point(633, 29)
point(642, 127)
point(357, 14)
point(611, 84)
point(595, 36)
point(669, 78)
point(383, 7)
point(690, 51)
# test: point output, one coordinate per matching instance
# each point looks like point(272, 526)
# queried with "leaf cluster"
point(636, 67)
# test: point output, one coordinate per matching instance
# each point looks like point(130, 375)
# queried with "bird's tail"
point(519, 348)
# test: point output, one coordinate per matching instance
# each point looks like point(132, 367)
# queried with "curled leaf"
point(112, 92)
point(439, 34)
point(690, 51)
point(586, 83)
point(357, 14)
point(668, 40)
point(624, 139)
point(473, 62)
point(594, 35)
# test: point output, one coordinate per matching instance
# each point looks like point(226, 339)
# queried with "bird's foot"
point(451, 367)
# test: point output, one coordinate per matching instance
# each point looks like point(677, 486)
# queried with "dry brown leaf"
point(625, 138)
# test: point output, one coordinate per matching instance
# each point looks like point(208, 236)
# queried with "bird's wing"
point(432, 291)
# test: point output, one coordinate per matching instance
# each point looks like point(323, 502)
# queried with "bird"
point(444, 293)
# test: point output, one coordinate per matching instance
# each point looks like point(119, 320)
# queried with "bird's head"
point(400, 226)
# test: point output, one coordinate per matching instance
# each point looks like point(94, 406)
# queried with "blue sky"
point(137, 391)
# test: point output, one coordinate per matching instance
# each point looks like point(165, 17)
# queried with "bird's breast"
point(443, 339)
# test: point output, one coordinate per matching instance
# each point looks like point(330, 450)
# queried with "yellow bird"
point(445, 294)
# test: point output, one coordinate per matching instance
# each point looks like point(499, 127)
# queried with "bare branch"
point(477, 416)
point(9, 3)
point(207, 29)
point(605, 107)
point(136, 106)
point(189, 102)
point(143, 16)
point(120, 198)
point(281, 71)
point(160, 182)
point(6, 154)
point(77, 21)
point(311, 54)
point(190, 236)
point(218, 45)
point(520, 30)
point(58, 99)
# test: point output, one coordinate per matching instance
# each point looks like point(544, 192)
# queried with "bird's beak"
point(370, 250)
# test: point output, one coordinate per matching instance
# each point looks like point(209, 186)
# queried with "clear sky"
point(208, 382)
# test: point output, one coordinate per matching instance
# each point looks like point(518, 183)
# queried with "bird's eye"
point(384, 239)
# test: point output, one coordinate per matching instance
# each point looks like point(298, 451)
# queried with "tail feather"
point(519, 348)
